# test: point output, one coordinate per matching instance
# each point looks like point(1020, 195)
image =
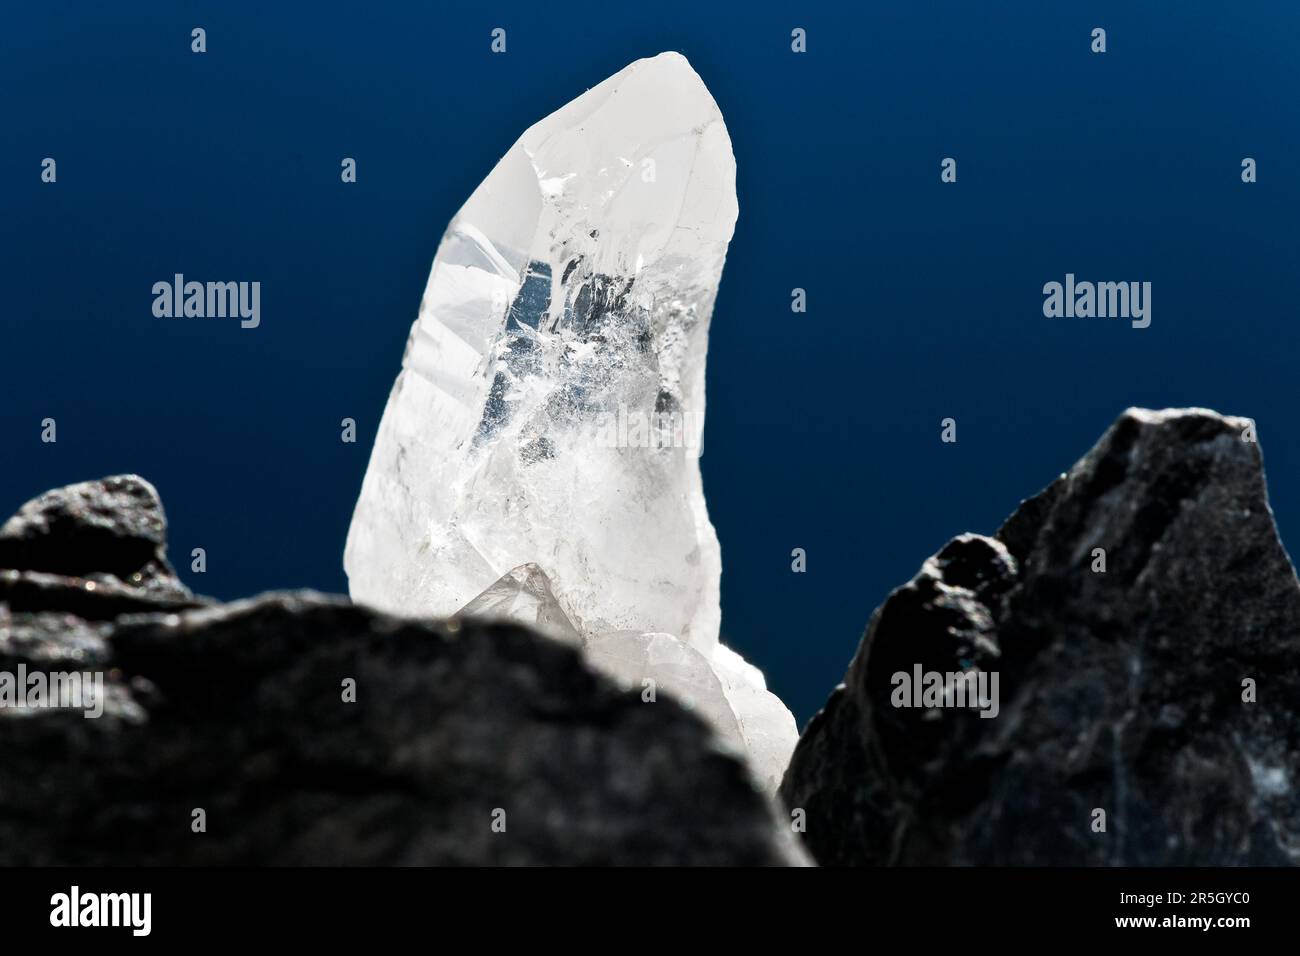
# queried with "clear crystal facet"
point(524, 595)
point(570, 295)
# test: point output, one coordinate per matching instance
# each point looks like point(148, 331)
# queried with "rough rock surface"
point(1120, 690)
point(239, 710)
point(112, 531)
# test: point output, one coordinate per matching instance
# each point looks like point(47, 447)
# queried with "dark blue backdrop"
point(823, 428)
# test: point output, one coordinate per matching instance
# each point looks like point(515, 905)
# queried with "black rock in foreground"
point(467, 743)
point(1159, 698)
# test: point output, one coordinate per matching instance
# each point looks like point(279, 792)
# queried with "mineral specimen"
point(546, 426)
point(577, 282)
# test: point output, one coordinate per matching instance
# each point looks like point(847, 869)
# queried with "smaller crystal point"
point(524, 594)
point(677, 669)
point(766, 724)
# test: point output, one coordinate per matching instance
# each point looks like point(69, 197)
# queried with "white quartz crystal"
point(550, 407)
point(721, 688)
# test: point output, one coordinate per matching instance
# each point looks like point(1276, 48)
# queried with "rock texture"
point(1121, 690)
point(98, 548)
point(239, 710)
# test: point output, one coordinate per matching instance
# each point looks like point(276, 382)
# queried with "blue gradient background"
point(823, 428)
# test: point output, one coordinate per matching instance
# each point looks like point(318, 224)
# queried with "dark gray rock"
point(112, 531)
point(97, 598)
point(1119, 690)
point(239, 710)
